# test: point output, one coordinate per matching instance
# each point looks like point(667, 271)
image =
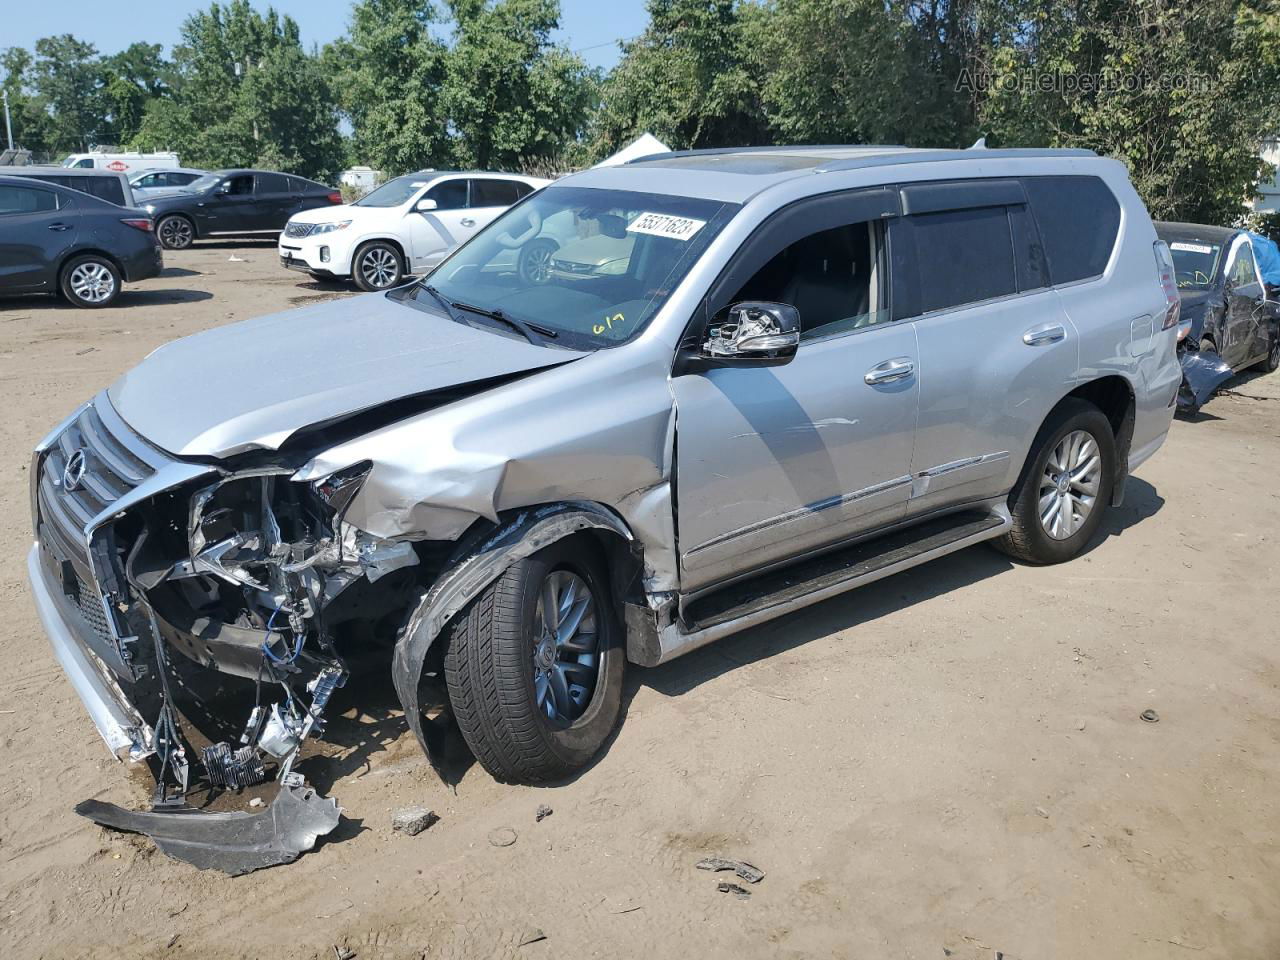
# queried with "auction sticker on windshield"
point(1191, 248)
point(664, 225)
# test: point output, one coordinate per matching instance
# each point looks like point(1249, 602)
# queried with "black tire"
point(90, 281)
point(1028, 539)
point(490, 665)
point(175, 232)
point(534, 263)
point(1207, 346)
point(1272, 363)
point(377, 265)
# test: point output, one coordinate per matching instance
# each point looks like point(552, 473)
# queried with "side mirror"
point(755, 331)
point(425, 205)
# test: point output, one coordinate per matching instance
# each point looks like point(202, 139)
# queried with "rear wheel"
point(90, 281)
point(377, 266)
point(175, 232)
point(534, 666)
point(1272, 363)
point(1065, 487)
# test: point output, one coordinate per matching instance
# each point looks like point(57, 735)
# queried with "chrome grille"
point(111, 469)
point(298, 229)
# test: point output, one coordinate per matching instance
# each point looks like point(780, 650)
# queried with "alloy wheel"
point(537, 264)
point(566, 642)
point(92, 282)
point(175, 233)
point(378, 267)
point(1069, 485)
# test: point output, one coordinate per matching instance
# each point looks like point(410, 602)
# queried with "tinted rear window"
point(963, 256)
point(273, 183)
point(104, 188)
point(1079, 219)
point(493, 193)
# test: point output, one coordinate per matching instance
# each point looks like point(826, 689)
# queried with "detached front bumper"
point(127, 735)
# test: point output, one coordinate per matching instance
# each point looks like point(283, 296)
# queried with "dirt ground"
point(946, 763)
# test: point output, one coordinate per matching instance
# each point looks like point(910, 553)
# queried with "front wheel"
point(534, 666)
point(377, 266)
point(1065, 487)
point(1272, 363)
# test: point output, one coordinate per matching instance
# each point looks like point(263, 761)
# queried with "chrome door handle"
point(899, 368)
point(468, 222)
point(59, 227)
point(1045, 333)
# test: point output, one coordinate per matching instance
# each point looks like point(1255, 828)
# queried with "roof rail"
point(934, 156)
point(778, 148)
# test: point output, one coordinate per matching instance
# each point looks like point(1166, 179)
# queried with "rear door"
point(489, 198)
point(996, 349)
point(433, 233)
point(37, 227)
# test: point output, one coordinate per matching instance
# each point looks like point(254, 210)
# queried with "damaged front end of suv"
point(140, 557)
point(146, 566)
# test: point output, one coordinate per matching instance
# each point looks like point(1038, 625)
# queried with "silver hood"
point(251, 385)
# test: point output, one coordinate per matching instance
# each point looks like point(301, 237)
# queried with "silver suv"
point(750, 380)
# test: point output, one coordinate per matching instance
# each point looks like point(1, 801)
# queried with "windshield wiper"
point(443, 300)
point(534, 333)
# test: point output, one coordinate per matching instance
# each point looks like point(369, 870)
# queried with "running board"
point(782, 591)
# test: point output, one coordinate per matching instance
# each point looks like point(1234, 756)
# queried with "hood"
point(251, 385)
point(337, 211)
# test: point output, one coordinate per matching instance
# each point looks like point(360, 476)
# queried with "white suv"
point(406, 226)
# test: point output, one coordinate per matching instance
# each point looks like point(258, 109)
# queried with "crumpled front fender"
point(523, 535)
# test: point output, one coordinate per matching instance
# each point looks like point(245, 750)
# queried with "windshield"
point(393, 192)
point(1195, 262)
point(199, 184)
point(590, 266)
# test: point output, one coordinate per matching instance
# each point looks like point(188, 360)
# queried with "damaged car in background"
point(494, 488)
point(1229, 282)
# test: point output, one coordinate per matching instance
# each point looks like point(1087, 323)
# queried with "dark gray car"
point(56, 240)
point(234, 202)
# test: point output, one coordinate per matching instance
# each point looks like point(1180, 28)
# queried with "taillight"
point(140, 224)
point(335, 197)
point(1169, 284)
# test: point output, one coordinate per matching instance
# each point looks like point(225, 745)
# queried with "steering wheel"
point(510, 242)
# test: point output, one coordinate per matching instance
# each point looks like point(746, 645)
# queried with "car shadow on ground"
point(234, 243)
point(180, 272)
point(127, 298)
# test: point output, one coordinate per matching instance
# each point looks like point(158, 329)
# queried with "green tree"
point(129, 81)
point(66, 80)
point(246, 94)
point(28, 117)
point(687, 79)
point(389, 76)
point(510, 94)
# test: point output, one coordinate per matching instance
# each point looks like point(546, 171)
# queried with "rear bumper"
point(126, 734)
point(144, 264)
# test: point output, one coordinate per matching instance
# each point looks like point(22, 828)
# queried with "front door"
point(775, 461)
point(434, 233)
point(229, 207)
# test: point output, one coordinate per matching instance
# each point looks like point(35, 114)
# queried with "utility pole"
point(8, 127)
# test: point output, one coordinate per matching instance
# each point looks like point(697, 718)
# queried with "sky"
point(588, 26)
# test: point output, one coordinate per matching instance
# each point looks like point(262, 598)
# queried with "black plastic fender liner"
point(235, 843)
point(1202, 374)
point(522, 536)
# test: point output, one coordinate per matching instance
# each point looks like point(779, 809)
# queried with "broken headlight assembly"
point(247, 589)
